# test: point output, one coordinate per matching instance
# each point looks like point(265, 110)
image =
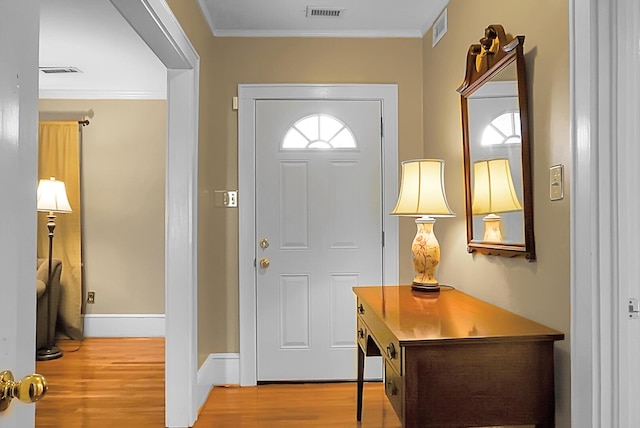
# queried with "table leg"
point(360, 383)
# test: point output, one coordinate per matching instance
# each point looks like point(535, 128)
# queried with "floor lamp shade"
point(493, 193)
point(422, 195)
point(51, 198)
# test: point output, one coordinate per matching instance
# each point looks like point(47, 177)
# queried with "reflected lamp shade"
point(493, 189)
point(493, 192)
point(52, 196)
point(422, 195)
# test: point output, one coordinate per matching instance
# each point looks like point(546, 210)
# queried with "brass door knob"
point(28, 390)
point(264, 263)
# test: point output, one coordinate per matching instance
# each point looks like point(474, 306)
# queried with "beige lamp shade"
point(422, 189)
point(52, 196)
point(493, 189)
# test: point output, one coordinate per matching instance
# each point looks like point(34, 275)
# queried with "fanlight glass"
point(319, 131)
point(504, 129)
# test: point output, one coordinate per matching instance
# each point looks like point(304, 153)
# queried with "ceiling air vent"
point(59, 70)
point(325, 12)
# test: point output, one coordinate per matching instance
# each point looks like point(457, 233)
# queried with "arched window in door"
point(504, 129)
point(319, 131)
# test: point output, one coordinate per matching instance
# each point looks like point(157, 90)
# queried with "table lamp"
point(422, 195)
point(493, 192)
point(51, 198)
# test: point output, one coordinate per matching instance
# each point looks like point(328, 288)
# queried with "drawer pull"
point(360, 309)
point(391, 351)
point(361, 333)
point(391, 387)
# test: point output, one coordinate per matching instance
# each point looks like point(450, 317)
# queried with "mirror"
point(497, 165)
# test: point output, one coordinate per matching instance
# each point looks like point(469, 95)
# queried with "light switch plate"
point(556, 182)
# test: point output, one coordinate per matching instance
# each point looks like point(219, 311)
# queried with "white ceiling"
point(115, 63)
point(371, 18)
point(92, 36)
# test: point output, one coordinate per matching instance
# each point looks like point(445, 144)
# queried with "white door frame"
point(158, 27)
point(248, 95)
point(605, 143)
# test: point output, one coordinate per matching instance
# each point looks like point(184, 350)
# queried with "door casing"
point(158, 27)
point(604, 108)
point(247, 95)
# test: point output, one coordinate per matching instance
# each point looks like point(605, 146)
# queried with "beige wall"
point(226, 62)
point(429, 125)
point(123, 182)
point(538, 290)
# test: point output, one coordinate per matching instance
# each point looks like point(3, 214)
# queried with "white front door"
point(319, 232)
point(19, 23)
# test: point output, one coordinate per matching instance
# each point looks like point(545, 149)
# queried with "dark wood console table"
point(451, 360)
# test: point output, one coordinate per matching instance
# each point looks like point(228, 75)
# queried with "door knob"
point(264, 243)
point(28, 390)
point(264, 263)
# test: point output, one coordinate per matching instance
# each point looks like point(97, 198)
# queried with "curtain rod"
point(83, 122)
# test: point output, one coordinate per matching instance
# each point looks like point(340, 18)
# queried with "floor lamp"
point(52, 198)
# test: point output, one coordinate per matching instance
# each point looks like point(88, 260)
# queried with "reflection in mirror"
point(496, 147)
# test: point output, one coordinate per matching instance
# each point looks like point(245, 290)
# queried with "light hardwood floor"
point(119, 383)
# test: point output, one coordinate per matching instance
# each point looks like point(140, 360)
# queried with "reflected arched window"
point(319, 131)
point(504, 129)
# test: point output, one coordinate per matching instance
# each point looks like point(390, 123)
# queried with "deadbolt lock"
point(264, 243)
point(28, 390)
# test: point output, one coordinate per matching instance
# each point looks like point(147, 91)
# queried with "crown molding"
point(367, 34)
point(91, 94)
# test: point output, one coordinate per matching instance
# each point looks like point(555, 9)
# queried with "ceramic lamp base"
point(492, 228)
point(426, 253)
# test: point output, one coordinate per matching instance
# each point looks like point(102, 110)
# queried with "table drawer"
point(386, 341)
point(394, 389)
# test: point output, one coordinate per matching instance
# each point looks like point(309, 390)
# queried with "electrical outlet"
point(91, 297)
point(556, 182)
point(226, 198)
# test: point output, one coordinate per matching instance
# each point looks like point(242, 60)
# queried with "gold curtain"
point(59, 157)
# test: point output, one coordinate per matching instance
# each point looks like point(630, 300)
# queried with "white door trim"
point(248, 95)
point(158, 27)
point(604, 88)
point(587, 266)
point(625, 181)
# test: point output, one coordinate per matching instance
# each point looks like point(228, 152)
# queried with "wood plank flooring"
point(303, 405)
point(106, 383)
point(119, 383)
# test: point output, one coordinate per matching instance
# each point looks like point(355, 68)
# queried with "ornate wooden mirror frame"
point(497, 152)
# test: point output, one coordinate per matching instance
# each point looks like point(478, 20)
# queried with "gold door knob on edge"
point(264, 263)
point(28, 390)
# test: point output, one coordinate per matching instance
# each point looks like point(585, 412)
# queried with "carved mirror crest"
point(497, 152)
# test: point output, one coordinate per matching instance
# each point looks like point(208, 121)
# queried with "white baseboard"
point(217, 369)
point(225, 368)
point(124, 325)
